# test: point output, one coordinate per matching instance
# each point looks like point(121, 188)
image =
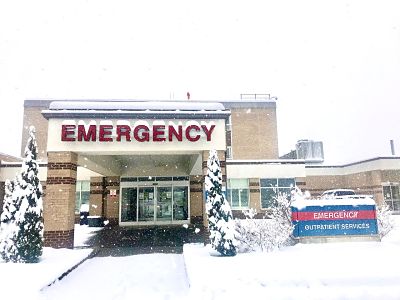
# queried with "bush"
point(384, 219)
point(272, 232)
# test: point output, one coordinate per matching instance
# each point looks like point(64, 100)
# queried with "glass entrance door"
point(180, 202)
point(159, 200)
point(146, 204)
point(164, 203)
point(129, 204)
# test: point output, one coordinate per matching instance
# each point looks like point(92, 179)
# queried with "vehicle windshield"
point(344, 193)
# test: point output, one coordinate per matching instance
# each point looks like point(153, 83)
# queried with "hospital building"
point(143, 162)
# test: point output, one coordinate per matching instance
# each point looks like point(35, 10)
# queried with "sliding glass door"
point(164, 203)
point(146, 204)
point(158, 202)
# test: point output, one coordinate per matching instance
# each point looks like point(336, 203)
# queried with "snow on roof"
point(137, 105)
point(9, 158)
point(319, 202)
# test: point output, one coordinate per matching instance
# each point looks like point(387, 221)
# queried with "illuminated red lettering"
point(192, 128)
point(158, 133)
point(145, 135)
point(105, 132)
point(172, 132)
point(66, 132)
point(207, 131)
point(123, 130)
point(88, 136)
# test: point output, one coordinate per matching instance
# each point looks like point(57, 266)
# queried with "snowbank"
point(24, 281)
point(302, 203)
point(368, 270)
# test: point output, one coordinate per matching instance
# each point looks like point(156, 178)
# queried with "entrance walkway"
point(150, 276)
point(122, 241)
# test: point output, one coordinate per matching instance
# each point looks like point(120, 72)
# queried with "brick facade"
point(59, 203)
point(254, 133)
point(97, 194)
point(196, 199)
point(59, 238)
point(111, 208)
point(33, 116)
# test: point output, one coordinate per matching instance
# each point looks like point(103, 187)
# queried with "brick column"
point(112, 202)
point(59, 203)
point(196, 199)
point(96, 196)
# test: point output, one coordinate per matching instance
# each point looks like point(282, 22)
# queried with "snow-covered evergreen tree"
point(23, 239)
point(7, 222)
point(220, 220)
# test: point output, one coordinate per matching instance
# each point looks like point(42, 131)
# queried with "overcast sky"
point(334, 65)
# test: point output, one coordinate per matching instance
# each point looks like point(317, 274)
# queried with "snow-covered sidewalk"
point(24, 281)
point(148, 276)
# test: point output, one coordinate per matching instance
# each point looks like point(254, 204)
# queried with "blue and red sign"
point(334, 220)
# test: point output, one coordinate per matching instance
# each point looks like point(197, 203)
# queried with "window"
point(391, 195)
point(82, 194)
point(238, 193)
point(272, 187)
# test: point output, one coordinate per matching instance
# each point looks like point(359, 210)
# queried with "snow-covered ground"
point(19, 281)
point(363, 270)
point(24, 281)
point(83, 233)
point(369, 270)
point(149, 276)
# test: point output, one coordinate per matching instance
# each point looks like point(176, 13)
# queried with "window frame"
point(79, 191)
point(391, 201)
point(277, 188)
point(229, 194)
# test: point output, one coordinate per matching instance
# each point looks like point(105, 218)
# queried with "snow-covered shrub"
point(254, 234)
point(22, 237)
point(220, 220)
point(274, 231)
point(384, 219)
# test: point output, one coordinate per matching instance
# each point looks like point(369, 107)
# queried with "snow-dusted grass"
point(367, 270)
point(24, 281)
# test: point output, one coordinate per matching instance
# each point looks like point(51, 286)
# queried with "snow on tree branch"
point(220, 220)
point(21, 237)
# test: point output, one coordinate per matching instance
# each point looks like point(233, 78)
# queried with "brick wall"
point(112, 202)
point(196, 199)
point(59, 203)
point(254, 133)
point(96, 196)
point(33, 116)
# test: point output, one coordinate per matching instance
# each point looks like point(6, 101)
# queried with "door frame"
point(154, 184)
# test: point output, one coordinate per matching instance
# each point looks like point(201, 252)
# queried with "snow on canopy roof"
point(137, 105)
point(329, 202)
